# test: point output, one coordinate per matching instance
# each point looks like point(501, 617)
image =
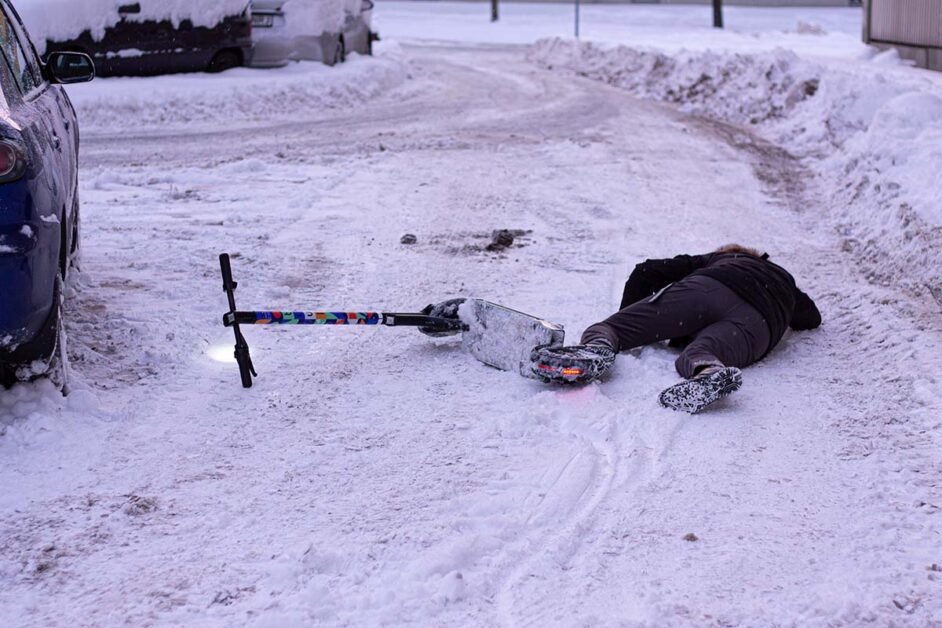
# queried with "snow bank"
point(870, 131)
point(35, 414)
point(61, 20)
point(300, 90)
point(736, 87)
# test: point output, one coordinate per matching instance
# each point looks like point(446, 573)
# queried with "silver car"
point(277, 42)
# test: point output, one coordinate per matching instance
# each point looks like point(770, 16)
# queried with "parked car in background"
point(357, 31)
point(146, 37)
point(311, 30)
point(39, 205)
point(272, 46)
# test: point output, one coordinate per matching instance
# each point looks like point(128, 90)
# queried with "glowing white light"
point(221, 353)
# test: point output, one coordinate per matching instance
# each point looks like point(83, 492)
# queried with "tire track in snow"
point(627, 456)
point(569, 502)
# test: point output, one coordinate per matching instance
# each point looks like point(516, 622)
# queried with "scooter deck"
point(504, 338)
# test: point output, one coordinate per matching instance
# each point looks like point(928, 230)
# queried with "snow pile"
point(299, 90)
point(738, 87)
point(62, 20)
point(870, 131)
point(891, 191)
point(36, 413)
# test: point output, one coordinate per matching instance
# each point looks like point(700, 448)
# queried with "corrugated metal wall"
point(910, 22)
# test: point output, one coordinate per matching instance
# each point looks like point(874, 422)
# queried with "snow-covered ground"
point(378, 477)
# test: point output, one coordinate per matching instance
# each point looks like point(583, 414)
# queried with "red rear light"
point(12, 161)
point(7, 159)
point(568, 371)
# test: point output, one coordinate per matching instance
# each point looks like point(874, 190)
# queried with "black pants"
point(725, 330)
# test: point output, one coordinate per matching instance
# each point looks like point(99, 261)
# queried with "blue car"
point(39, 208)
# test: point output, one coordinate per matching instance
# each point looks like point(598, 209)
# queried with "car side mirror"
point(69, 67)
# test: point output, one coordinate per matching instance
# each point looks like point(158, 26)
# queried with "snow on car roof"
point(305, 17)
point(62, 20)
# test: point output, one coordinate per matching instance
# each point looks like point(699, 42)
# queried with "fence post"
point(717, 13)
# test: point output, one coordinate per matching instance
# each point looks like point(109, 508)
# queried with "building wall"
point(913, 27)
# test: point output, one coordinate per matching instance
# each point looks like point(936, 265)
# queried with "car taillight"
point(12, 161)
point(7, 159)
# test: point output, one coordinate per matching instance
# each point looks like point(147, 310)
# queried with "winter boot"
point(709, 385)
point(576, 364)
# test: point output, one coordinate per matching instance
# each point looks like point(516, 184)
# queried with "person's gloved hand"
point(445, 309)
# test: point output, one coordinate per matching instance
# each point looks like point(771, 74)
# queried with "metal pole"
point(717, 13)
point(577, 19)
point(494, 10)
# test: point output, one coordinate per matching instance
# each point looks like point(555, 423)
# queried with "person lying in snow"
point(727, 308)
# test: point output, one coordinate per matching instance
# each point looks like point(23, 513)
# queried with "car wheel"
point(7, 376)
point(224, 60)
point(75, 246)
point(57, 365)
point(49, 349)
point(58, 369)
point(340, 52)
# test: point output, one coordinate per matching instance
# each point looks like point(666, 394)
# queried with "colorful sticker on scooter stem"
point(317, 318)
point(345, 318)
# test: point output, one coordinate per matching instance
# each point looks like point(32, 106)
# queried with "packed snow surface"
point(375, 476)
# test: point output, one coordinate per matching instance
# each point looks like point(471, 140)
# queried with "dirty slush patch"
point(43, 550)
point(473, 243)
point(783, 176)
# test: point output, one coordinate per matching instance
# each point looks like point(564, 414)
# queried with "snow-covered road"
point(378, 477)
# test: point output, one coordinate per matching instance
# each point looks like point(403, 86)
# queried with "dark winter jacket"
point(767, 287)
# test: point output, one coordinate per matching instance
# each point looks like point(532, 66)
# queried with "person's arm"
point(806, 314)
point(651, 275)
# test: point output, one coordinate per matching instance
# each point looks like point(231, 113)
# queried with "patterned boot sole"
point(578, 364)
point(694, 395)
